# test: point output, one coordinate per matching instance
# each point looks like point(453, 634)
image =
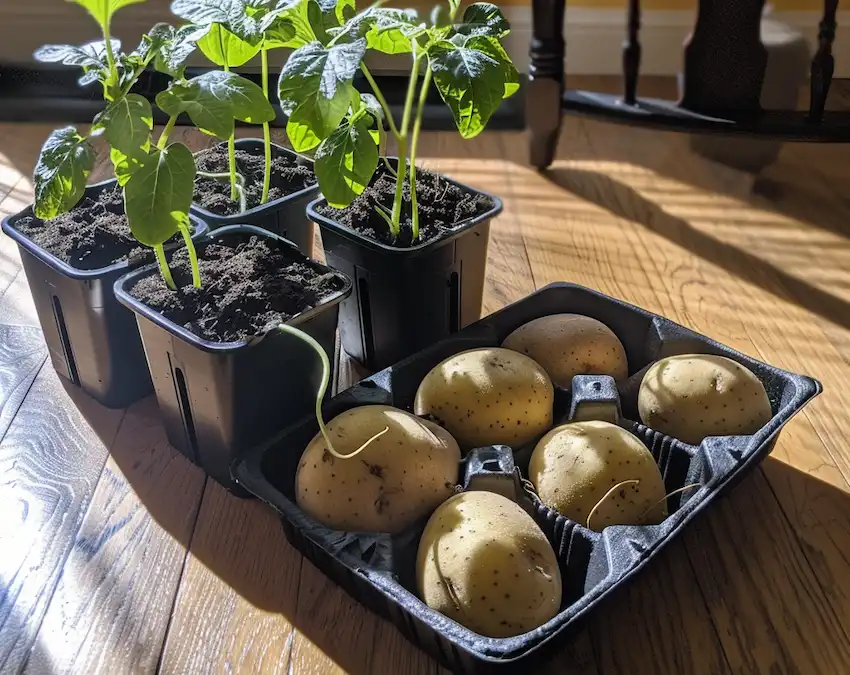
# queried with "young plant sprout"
point(320, 394)
point(465, 60)
point(234, 32)
point(157, 178)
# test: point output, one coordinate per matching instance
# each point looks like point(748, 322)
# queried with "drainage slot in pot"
point(186, 412)
point(454, 302)
point(366, 319)
point(59, 316)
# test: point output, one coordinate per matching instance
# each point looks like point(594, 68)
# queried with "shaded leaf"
point(60, 175)
point(175, 45)
point(225, 48)
point(128, 122)
point(158, 194)
point(314, 90)
point(346, 161)
point(279, 34)
point(483, 18)
point(470, 80)
point(213, 100)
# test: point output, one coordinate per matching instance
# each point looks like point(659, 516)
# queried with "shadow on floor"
point(626, 202)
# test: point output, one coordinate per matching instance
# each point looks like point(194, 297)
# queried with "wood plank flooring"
point(118, 556)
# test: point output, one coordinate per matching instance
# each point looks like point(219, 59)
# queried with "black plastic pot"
point(285, 216)
point(218, 398)
point(377, 569)
point(405, 299)
point(93, 341)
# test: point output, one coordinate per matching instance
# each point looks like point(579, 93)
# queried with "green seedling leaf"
point(392, 31)
point(102, 10)
point(493, 48)
point(158, 194)
point(454, 5)
point(204, 12)
point(483, 18)
point(127, 122)
point(470, 80)
point(92, 54)
point(314, 90)
point(174, 46)
point(346, 161)
point(213, 100)
point(60, 175)
point(279, 34)
point(125, 166)
point(372, 106)
point(225, 48)
point(295, 12)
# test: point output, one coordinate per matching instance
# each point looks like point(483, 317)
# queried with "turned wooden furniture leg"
point(545, 81)
point(631, 55)
point(823, 63)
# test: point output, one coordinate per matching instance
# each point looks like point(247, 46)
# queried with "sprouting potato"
point(485, 563)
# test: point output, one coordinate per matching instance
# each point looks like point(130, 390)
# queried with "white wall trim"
point(595, 36)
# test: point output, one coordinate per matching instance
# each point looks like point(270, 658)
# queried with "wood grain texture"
point(112, 606)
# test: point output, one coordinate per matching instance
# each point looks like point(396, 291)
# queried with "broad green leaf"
point(279, 34)
point(175, 45)
point(470, 81)
point(494, 49)
point(201, 12)
point(102, 10)
point(483, 18)
point(296, 13)
point(346, 161)
point(158, 194)
point(224, 48)
point(386, 30)
point(60, 175)
point(213, 100)
point(90, 54)
point(314, 90)
point(124, 166)
point(128, 122)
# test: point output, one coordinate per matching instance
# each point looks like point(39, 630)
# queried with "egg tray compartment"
point(378, 570)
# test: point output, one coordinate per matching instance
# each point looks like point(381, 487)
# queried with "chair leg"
point(545, 81)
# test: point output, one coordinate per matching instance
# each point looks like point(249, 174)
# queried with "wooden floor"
point(118, 556)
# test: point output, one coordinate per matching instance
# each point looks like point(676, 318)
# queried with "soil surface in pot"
point(249, 285)
point(442, 207)
point(92, 235)
point(214, 195)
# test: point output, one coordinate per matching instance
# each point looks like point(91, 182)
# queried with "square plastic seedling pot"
point(405, 299)
point(219, 398)
point(285, 216)
point(92, 340)
point(378, 569)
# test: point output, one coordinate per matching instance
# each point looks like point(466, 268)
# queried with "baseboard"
point(595, 36)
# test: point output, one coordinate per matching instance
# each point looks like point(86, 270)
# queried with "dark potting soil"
point(442, 207)
point(248, 285)
point(214, 195)
point(92, 235)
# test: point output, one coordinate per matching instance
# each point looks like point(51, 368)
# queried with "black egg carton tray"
point(378, 569)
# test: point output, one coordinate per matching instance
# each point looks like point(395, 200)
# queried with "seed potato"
point(400, 477)
point(575, 466)
point(488, 396)
point(484, 562)
point(570, 344)
point(692, 396)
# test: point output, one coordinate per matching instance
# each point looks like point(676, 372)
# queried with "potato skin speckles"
point(692, 396)
point(488, 396)
point(500, 580)
point(566, 345)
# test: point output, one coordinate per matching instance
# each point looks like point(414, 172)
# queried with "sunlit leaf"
point(61, 172)
point(346, 161)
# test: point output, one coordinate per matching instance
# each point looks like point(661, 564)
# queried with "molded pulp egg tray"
point(378, 570)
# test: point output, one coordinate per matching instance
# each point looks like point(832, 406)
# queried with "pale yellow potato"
point(692, 396)
point(400, 477)
point(488, 396)
point(570, 344)
point(576, 466)
point(485, 563)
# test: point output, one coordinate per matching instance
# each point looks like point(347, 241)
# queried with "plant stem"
point(414, 142)
point(267, 136)
point(240, 185)
point(163, 267)
point(402, 146)
point(110, 57)
point(231, 153)
point(193, 256)
point(380, 96)
point(166, 132)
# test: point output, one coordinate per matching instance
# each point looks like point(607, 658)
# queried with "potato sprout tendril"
point(323, 387)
